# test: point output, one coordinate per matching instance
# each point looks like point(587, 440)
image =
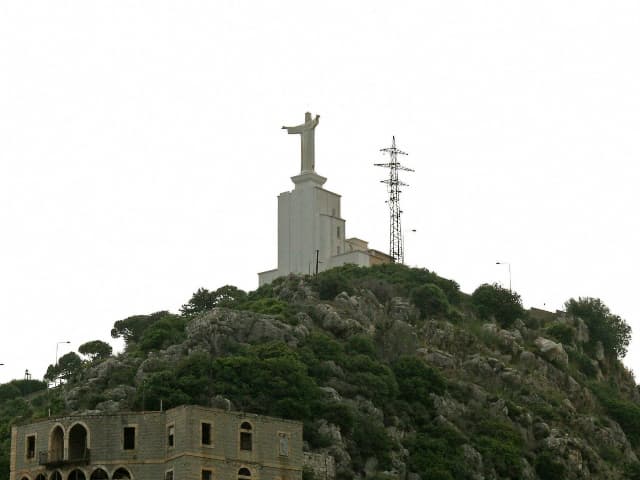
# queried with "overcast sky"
point(141, 153)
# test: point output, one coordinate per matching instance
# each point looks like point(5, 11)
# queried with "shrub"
point(430, 300)
point(330, 284)
point(270, 306)
point(609, 329)
point(632, 471)
point(371, 440)
point(548, 468)
point(501, 445)
point(361, 344)
point(436, 453)
point(626, 413)
point(380, 288)
point(416, 380)
point(307, 473)
point(8, 391)
point(583, 362)
point(501, 303)
point(562, 333)
point(167, 330)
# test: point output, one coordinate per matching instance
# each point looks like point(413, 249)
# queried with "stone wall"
point(322, 464)
point(276, 445)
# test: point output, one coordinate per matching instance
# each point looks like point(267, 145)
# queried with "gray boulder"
point(552, 351)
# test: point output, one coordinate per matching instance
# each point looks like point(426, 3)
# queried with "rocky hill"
point(395, 373)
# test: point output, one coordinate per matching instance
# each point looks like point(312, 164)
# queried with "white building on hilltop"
point(311, 231)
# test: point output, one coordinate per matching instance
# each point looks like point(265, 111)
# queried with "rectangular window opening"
point(171, 431)
point(129, 438)
point(206, 433)
point(168, 475)
point(207, 475)
point(283, 444)
point(245, 441)
point(31, 446)
point(338, 231)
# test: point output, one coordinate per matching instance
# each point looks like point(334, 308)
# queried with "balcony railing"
point(55, 460)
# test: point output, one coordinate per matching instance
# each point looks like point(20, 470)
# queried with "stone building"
point(311, 230)
point(184, 443)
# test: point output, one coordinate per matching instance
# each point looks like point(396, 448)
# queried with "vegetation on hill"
point(393, 370)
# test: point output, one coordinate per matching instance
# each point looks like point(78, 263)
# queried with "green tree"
point(68, 366)
point(493, 300)
point(8, 391)
point(96, 350)
point(203, 300)
point(132, 328)
point(610, 329)
point(164, 332)
point(268, 378)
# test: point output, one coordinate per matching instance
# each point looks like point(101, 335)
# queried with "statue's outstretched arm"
point(296, 129)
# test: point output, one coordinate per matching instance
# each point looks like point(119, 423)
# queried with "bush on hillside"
point(548, 468)
point(498, 302)
point(501, 446)
point(430, 300)
point(562, 332)
point(609, 329)
point(331, 283)
point(625, 412)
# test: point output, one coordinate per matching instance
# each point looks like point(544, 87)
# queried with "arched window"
point(41, 476)
point(121, 474)
point(25, 478)
point(99, 474)
point(56, 476)
point(76, 475)
point(78, 443)
point(246, 442)
point(56, 445)
point(244, 473)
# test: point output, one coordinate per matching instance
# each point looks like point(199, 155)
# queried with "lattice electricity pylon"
point(396, 242)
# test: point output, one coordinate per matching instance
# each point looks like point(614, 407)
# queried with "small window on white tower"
point(338, 231)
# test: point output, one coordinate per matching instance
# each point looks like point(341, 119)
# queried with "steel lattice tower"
point(396, 242)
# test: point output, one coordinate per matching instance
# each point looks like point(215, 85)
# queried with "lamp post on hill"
point(509, 265)
point(56, 364)
point(57, 344)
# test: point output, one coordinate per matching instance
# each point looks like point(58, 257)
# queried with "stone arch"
point(41, 476)
point(244, 473)
point(76, 474)
point(56, 444)
point(246, 436)
point(121, 474)
point(56, 475)
point(25, 477)
point(99, 474)
point(78, 441)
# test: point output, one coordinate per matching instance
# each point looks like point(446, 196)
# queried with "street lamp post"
point(56, 364)
point(57, 344)
point(509, 265)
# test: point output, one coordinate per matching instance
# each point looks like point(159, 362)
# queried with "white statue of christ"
point(306, 132)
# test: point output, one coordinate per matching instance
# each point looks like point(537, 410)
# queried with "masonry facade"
point(311, 230)
point(184, 443)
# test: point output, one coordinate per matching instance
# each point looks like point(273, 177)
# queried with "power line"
point(396, 242)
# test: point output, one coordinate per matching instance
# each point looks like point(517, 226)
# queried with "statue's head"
point(307, 117)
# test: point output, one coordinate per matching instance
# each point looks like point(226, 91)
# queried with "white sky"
point(141, 152)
